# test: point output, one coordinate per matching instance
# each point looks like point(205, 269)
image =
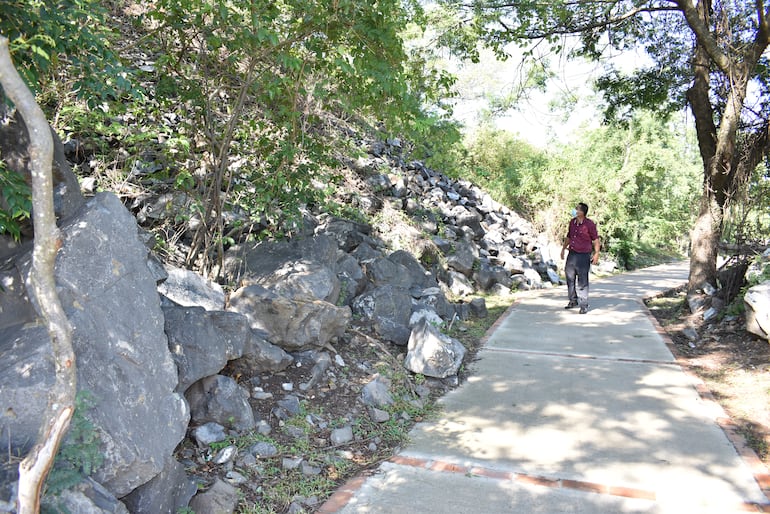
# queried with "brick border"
point(344, 494)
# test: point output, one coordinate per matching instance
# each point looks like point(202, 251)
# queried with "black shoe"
point(571, 305)
point(584, 309)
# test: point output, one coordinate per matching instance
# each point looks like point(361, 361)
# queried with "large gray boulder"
point(757, 300)
point(202, 342)
point(418, 275)
point(292, 324)
point(432, 353)
point(383, 271)
point(110, 298)
point(297, 268)
point(189, 289)
point(389, 309)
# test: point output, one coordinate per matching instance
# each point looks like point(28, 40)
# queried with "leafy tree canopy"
point(604, 28)
point(67, 42)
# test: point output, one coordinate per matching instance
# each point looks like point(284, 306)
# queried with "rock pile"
point(153, 342)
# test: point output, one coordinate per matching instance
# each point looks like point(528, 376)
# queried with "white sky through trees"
point(567, 106)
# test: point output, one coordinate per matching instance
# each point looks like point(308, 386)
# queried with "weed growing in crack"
point(79, 455)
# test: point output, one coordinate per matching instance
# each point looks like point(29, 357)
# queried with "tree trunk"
point(724, 171)
point(34, 469)
point(705, 242)
point(724, 166)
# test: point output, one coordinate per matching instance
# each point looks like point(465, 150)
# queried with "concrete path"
point(571, 413)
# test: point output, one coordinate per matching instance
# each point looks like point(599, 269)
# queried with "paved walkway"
point(572, 413)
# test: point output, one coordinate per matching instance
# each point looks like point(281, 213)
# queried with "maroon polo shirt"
point(581, 235)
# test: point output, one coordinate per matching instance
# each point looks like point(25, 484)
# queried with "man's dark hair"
point(583, 207)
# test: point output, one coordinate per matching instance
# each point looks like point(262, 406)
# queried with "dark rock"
point(383, 271)
point(292, 324)
point(110, 298)
point(463, 258)
point(14, 147)
point(303, 267)
point(221, 400)
point(479, 307)
point(417, 274)
point(389, 309)
point(352, 279)
point(201, 342)
point(488, 275)
point(169, 491)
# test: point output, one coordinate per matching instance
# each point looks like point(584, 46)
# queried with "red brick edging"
point(343, 495)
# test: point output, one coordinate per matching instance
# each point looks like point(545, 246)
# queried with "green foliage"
point(80, 453)
point(508, 168)
point(64, 41)
point(261, 80)
point(640, 180)
point(641, 184)
point(438, 143)
point(15, 201)
point(601, 28)
point(257, 84)
point(747, 219)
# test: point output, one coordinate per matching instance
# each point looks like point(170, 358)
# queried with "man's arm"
point(595, 258)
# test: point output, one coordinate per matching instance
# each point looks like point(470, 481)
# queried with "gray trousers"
point(576, 269)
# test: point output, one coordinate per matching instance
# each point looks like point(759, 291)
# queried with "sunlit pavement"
point(569, 412)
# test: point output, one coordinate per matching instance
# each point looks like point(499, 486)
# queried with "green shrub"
point(80, 453)
point(15, 202)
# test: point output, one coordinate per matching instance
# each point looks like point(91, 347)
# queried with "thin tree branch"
point(35, 467)
point(705, 38)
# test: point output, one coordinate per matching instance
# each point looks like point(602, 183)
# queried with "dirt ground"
point(733, 364)
point(272, 484)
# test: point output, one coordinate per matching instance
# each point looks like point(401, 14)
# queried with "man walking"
point(581, 237)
